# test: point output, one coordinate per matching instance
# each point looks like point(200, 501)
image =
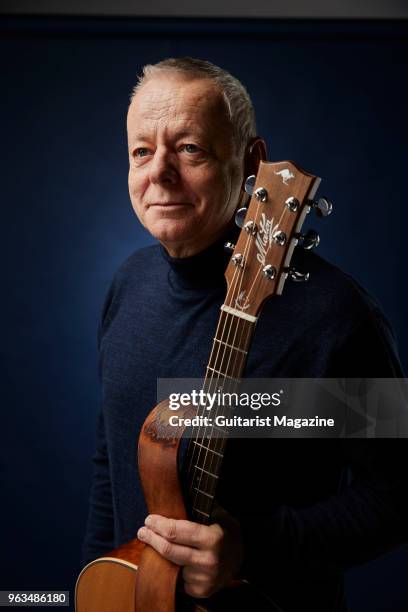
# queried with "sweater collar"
point(205, 269)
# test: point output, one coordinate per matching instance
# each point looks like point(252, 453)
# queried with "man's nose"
point(162, 167)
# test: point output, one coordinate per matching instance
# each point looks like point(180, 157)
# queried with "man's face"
point(184, 175)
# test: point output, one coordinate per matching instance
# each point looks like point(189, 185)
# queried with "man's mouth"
point(170, 204)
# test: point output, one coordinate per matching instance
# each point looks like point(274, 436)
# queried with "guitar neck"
point(261, 262)
point(207, 445)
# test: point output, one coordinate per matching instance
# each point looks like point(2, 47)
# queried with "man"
point(291, 523)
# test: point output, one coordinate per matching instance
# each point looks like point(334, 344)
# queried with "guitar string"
point(195, 450)
point(249, 329)
point(220, 441)
point(215, 458)
point(220, 377)
point(220, 368)
point(241, 325)
point(242, 328)
point(222, 381)
point(209, 379)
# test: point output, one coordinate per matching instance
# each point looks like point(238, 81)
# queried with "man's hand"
point(210, 555)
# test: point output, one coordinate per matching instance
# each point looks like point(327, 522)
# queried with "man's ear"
point(255, 152)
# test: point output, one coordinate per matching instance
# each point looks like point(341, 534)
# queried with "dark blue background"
point(330, 95)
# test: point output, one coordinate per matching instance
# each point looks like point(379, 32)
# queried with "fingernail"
point(141, 533)
point(148, 520)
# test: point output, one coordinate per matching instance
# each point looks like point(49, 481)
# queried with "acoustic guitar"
point(134, 577)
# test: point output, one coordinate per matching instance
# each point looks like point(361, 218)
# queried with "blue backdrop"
point(330, 95)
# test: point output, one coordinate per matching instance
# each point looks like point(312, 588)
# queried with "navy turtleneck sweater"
point(302, 523)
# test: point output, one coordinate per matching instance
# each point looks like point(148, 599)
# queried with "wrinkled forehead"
point(184, 103)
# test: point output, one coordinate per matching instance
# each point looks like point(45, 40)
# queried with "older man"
point(293, 522)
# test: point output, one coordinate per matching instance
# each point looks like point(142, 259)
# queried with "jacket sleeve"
point(367, 517)
point(99, 535)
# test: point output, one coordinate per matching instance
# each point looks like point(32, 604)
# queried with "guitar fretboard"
point(207, 445)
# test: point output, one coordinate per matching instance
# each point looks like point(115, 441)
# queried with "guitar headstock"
point(282, 195)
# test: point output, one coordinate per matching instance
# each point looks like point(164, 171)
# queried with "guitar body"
point(122, 580)
point(109, 583)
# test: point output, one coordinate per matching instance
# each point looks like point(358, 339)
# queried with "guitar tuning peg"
point(240, 216)
point(309, 240)
point(295, 275)
point(322, 206)
point(250, 184)
point(229, 247)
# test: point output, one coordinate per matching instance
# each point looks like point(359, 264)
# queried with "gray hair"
point(237, 99)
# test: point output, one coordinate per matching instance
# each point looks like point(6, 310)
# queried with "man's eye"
point(191, 148)
point(141, 152)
